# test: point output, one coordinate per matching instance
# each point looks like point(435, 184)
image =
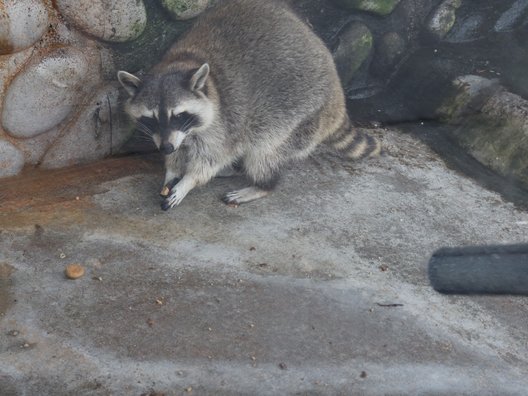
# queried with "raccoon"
point(246, 90)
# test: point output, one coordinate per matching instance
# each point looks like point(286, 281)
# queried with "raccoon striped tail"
point(354, 144)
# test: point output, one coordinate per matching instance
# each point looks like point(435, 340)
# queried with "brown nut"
point(74, 271)
point(165, 191)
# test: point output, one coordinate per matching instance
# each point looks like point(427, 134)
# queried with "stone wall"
point(398, 59)
point(59, 101)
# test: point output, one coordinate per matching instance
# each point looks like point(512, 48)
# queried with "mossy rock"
point(380, 7)
point(148, 49)
point(491, 124)
point(352, 50)
point(443, 18)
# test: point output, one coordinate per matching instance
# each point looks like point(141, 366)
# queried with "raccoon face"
point(169, 107)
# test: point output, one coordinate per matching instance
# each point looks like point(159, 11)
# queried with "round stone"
point(443, 18)
point(11, 159)
point(353, 48)
point(43, 94)
point(512, 17)
point(108, 20)
point(22, 23)
point(468, 28)
point(185, 9)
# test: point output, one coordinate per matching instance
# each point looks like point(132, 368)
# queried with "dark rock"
point(512, 17)
point(353, 48)
point(391, 49)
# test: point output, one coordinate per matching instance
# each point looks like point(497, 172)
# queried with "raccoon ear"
point(200, 77)
point(130, 82)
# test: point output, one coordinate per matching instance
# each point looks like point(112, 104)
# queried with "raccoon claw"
point(229, 201)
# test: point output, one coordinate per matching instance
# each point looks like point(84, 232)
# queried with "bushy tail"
point(354, 144)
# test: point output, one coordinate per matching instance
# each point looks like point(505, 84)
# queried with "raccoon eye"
point(148, 124)
point(182, 121)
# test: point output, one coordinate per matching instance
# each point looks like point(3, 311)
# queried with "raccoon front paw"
point(164, 193)
point(173, 200)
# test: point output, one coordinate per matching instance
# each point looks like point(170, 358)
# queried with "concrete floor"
point(280, 296)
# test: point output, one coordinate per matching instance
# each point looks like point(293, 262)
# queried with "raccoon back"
point(268, 66)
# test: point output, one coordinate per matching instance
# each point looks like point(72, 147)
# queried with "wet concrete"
point(286, 295)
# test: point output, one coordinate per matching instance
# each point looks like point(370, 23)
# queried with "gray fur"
point(267, 90)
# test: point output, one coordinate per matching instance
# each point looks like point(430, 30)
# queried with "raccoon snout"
point(167, 148)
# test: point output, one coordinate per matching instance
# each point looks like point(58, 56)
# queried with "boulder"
point(11, 159)
point(22, 23)
point(43, 94)
point(108, 20)
point(353, 47)
point(512, 17)
point(443, 18)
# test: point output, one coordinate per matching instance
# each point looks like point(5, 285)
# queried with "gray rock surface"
point(108, 20)
point(22, 23)
point(11, 159)
point(43, 94)
point(294, 278)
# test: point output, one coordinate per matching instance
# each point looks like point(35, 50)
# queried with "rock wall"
point(60, 104)
point(59, 101)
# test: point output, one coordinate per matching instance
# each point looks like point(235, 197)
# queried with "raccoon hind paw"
point(247, 194)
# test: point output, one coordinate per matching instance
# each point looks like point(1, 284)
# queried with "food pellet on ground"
point(74, 271)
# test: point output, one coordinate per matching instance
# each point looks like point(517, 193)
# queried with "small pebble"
point(74, 271)
point(26, 345)
point(283, 366)
point(363, 374)
point(62, 255)
point(188, 389)
point(13, 333)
